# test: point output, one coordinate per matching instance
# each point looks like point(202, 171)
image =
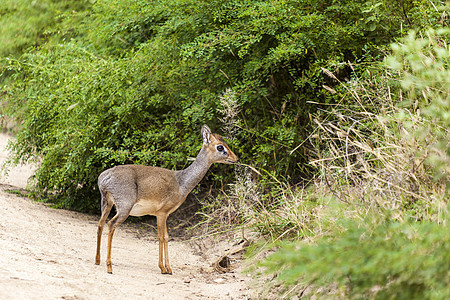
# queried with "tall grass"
point(390, 149)
point(374, 156)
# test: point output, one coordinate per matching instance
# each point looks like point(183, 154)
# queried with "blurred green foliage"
point(423, 63)
point(373, 260)
point(132, 81)
point(26, 23)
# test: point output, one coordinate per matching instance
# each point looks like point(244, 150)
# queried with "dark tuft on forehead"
point(220, 138)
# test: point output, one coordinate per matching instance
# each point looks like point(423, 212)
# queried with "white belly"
point(145, 207)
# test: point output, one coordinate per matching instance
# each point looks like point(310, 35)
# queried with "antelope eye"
point(220, 148)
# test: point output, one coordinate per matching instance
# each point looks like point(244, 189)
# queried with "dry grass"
point(230, 111)
point(373, 156)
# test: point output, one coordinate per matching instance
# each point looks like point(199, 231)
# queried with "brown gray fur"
point(139, 190)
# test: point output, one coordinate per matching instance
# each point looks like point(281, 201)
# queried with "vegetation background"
point(339, 107)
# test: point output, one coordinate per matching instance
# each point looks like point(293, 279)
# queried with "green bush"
point(131, 81)
point(89, 116)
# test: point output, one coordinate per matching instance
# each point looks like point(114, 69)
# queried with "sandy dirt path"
point(47, 253)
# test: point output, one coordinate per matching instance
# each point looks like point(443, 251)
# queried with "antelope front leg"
point(163, 241)
point(99, 241)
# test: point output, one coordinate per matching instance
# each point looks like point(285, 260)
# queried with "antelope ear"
point(206, 135)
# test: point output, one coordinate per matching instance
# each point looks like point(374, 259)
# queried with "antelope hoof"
point(166, 270)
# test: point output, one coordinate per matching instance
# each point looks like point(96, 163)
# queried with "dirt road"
point(47, 253)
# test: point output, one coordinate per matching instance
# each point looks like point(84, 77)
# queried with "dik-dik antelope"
point(138, 190)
